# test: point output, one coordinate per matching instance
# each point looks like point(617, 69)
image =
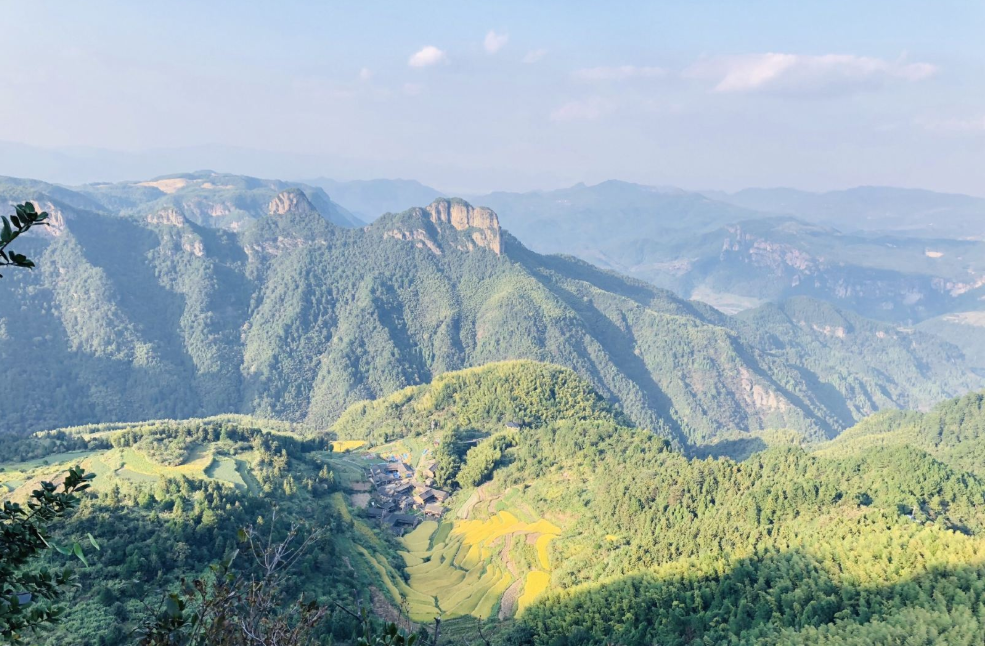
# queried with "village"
point(399, 492)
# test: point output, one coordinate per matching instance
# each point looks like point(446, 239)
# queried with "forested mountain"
point(890, 278)
point(737, 255)
point(146, 316)
point(965, 329)
point(953, 432)
point(566, 524)
point(215, 200)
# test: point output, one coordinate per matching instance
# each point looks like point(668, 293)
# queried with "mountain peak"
point(463, 216)
point(292, 200)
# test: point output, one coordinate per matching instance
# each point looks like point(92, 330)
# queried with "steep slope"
point(168, 500)
point(136, 318)
point(561, 516)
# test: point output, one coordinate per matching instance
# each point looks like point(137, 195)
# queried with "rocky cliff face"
point(461, 215)
point(291, 201)
point(449, 222)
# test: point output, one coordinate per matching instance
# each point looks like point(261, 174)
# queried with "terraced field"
point(14, 474)
point(128, 464)
point(464, 567)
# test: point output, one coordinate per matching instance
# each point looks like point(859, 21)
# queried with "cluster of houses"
point(399, 494)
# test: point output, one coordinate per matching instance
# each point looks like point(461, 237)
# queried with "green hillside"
point(953, 432)
point(650, 546)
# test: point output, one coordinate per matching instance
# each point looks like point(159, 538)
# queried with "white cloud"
point(413, 89)
point(495, 42)
point(365, 74)
point(534, 55)
point(799, 73)
point(427, 56)
point(619, 73)
point(588, 109)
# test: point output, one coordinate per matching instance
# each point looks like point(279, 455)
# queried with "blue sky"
point(516, 95)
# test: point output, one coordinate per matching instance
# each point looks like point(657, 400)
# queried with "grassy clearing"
point(343, 446)
point(227, 470)
point(243, 469)
point(131, 460)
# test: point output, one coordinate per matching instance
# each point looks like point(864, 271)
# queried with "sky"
point(471, 97)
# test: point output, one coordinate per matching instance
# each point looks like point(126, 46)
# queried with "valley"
point(558, 506)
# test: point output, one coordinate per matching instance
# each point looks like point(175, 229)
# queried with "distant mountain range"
point(897, 255)
point(872, 208)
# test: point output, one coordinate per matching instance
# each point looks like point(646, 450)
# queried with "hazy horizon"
point(818, 96)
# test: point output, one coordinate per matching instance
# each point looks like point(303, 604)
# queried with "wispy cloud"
point(620, 73)
point(413, 89)
point(365, 74)
point(495, 42)
point(803, 73)
point(534, 55)
point(588, 109)
point(427, 56)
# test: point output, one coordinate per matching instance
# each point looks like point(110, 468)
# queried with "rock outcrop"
point(480, 222)
point(293, 200)
point(447, 223)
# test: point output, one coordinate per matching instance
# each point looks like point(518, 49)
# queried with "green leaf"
point(7, 234)
point(77, 550)
point(93, 541)
point(171, 606)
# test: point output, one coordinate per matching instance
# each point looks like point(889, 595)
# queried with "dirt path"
point(505, 557)
point(382, 607)
point(508, 605)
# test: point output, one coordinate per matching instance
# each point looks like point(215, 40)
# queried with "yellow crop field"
point(341, 446)
point(542, 555)
point(465, 566)
point(533, 587)
point(419, 539)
